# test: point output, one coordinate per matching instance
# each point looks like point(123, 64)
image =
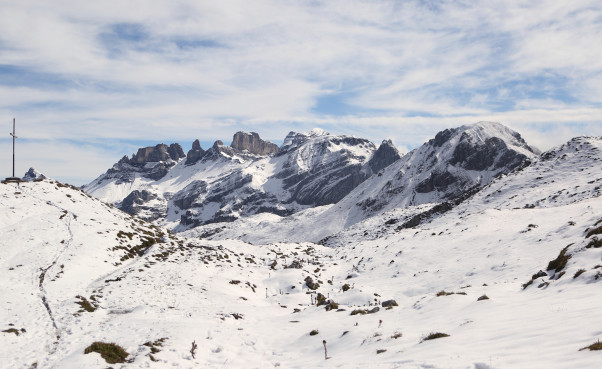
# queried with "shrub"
point(443, 293)
point(85, 304)
point(380, 351)
point(346, 287)
point(594, 243)
point(359, 311)
point(484, 297)
point(560, 262)
point(314, 332)
point(331, 305)
point(527, 284)
point(594, 231)
point(397, 335)
point(234, 281)
point(578, 273)
point(11, 330)
point(111, 352)
point(434, 335)
point(593, 347)
point(320, 299)
point(311, 284)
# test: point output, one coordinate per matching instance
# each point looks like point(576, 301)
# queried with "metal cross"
point(14, 136)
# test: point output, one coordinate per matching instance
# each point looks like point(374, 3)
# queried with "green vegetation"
point(314, 332)
point(443, 293)
point(591, 232)
point(85, 304)
point(331, 305)
point(12, 330)
point(154, 347)
point(346, 287)
point(560, 262)
point(578, 273)
point(434, 335)
point(111, 352)
point(359, 311)
point(593, 347)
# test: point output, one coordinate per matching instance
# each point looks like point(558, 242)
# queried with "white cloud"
point(190, 69)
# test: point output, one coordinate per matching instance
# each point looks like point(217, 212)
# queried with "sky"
point(91, 81)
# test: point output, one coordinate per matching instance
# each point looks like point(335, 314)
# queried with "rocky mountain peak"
point(386, 155)
point(252, 143)
point(296, 139)
point(160, 152)
point(33, 175)
point(195, 154)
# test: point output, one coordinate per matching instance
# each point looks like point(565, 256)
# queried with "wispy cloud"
point(178, 70)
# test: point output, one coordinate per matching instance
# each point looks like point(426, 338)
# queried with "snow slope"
point(251, 306)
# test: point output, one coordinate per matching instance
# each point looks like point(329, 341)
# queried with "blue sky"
point(89, 82)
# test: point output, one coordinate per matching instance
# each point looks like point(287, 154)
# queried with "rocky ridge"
point(251, 176)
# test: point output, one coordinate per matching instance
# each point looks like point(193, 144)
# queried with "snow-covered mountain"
point(248, 177)
point(507, 278)
point(452, 164)
point(309, 170)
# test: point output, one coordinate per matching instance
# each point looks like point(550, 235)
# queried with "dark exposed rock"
point(373, 310)
point(151, 154)
point(195, 154)
point(442, 137)
point(311, 284)
point(389, 303)
point(185, 199)
point(133, 203)
point(33, 175)
point(252, 143)
point(175, 151)
point(386, 155)
point(437, 181)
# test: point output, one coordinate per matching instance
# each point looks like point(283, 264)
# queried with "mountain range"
point(310, 170)
point(473, 250)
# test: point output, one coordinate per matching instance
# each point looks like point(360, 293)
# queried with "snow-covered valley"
point(75, 271)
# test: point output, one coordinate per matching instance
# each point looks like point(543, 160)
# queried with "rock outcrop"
point(386, 155)
point(33, 175)
point(252, 143)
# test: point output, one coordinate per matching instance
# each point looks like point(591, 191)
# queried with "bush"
point(314, 332)
point(85, 304)
point(359, 311)
point(346, 287)
point(443, 293)
point(560, 262)
point(311, 284)
point(111, 352)
point(578, 273)
point(380, 351)
point(594, 231)
point(397, 335)
point(434, 335)
point(593, 347)
point(484, 297)
point(331, 305)
point(594, 243)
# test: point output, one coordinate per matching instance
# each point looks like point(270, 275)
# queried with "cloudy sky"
point(91, 81)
